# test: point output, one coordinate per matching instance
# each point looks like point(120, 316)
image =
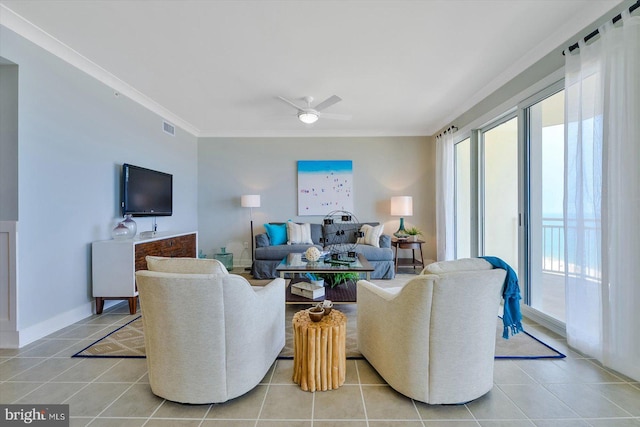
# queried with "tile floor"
point(567, 392)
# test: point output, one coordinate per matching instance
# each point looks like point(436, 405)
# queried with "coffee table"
point(342, 294)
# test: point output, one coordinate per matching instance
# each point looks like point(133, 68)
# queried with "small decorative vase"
point(130, 224)
point(121, 232)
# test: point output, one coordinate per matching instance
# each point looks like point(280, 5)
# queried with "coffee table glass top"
point(294, 263)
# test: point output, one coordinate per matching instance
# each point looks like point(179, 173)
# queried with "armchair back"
point(208, 337)
point(434, 339)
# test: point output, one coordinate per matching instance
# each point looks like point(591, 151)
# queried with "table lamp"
point(401, 206)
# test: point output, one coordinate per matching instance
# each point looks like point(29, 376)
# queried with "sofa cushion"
point(372, 253)
point(371, 235)
point(278, 253)
point(298, 233)
point(277, 233)
point(316, 234)
point(185, 265)
point(262, 240)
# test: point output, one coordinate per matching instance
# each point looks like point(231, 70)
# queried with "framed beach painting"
point(324, 186)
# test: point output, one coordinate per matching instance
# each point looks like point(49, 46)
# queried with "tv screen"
point(146, 192)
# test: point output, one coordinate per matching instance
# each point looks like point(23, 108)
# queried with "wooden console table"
point(114, 263)
point(319, 351)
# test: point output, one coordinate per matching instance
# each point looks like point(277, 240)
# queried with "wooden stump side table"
point(319, 351)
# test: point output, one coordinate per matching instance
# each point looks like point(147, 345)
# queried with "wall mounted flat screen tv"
point(146, 192)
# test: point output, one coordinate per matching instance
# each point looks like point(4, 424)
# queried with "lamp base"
point(401, 233)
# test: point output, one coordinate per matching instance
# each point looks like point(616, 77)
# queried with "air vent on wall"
point(169, 128)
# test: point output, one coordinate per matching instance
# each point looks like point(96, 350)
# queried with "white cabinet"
point(114, 263)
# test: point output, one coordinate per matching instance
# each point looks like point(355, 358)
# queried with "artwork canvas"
point(324, 186)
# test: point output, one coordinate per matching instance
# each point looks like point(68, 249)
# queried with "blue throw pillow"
point(277, 233)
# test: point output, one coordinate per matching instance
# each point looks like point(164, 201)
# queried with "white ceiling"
point(215, 68)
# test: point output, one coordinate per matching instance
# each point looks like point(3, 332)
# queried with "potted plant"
point(413, 233)
point(335, 279)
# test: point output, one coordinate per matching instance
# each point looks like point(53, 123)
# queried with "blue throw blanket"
point(511, 317)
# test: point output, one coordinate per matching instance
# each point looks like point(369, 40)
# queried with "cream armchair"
point(209, 336)
point(434, 338)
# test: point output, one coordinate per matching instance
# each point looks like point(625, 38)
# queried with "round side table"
point(319, 351)
point(408, 262)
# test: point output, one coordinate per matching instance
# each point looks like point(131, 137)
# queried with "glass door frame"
point(502, 119)
point(524, 131)
point(472, 136)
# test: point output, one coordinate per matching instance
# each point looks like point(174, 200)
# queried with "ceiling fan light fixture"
point(307, 117)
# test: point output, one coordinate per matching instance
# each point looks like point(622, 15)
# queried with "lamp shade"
point(250, 201)
point(402, 205)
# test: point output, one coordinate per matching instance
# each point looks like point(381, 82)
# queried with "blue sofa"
point(268, 256)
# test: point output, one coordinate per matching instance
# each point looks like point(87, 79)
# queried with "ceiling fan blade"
point(328, 102)
point(291, 103)
point(335, 116)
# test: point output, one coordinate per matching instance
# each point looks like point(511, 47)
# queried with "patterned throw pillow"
point(298, 234)
point(371, 235)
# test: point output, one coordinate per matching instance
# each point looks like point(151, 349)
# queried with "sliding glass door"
point(545, 142)
point(499, 194)
point(509, 197)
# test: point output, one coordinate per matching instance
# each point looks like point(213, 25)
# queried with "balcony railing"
point(553, 244)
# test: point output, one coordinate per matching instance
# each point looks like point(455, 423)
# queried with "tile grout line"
point(46, 382)
point(364, 405)
point(118, 397)
point(266, 393)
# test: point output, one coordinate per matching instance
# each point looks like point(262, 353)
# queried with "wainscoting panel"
point(8, 266)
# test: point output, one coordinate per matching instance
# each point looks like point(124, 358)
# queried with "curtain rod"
point(450, 129)
point(596, 32)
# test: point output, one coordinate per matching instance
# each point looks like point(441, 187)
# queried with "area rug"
point(128, 341)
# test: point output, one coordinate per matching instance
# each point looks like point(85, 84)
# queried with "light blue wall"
point(382, 167)
point(74, 135)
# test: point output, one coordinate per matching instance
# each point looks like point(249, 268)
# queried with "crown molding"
point(26, 29)
point(311, 133)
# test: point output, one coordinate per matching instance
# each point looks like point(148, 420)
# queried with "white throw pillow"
point(371, 235)
point(185, 265)
point(298, 234)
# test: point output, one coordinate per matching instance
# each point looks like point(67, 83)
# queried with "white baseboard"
point(49, 326)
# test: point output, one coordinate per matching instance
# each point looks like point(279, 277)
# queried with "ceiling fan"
point(310, 114)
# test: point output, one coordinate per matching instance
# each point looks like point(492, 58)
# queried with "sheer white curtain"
point(444, 196)
point(602, 197)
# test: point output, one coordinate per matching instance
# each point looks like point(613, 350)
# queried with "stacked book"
point(307, 290)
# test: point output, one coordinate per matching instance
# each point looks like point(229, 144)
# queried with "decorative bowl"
point(315, 315)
